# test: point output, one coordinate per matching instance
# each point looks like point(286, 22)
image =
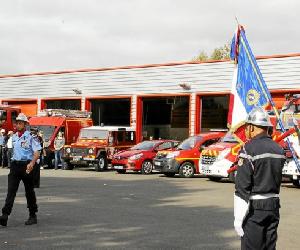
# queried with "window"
point(165, 145)
point(13, 116)
point(3, 115)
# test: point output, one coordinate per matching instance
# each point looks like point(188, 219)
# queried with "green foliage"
point(220, 53)
point(201, 57)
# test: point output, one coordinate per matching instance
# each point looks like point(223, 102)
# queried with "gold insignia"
point(240, 162)
point(252, 97)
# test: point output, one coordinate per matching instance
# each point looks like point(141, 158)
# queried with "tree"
point(201, 57)
point(220, 53)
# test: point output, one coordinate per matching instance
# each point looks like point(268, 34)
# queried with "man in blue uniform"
point(26, 151)
point(257, 185)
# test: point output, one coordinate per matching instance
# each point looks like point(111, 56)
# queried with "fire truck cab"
point(52, 121)
point(291, 118)
point(8, 115)
point(96, 145)
point(213, 162)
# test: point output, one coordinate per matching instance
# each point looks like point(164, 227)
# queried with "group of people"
point(257, 187)
point(24, 153)
point(5, 148)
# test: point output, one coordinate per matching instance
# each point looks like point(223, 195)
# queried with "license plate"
point(76, 158)
point(157, 163)
point(118, 167)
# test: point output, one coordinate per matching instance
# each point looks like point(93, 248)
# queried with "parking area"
point(84, 209)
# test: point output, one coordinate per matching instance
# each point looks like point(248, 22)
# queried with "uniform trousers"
point(16, 174)
point(260, 225)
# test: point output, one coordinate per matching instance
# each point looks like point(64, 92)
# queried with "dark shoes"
point(31, 220)
point(3, 220)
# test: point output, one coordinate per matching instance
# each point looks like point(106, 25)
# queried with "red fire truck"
point(8, 116)
point(52, 121)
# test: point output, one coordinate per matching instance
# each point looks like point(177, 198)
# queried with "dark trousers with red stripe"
point(260, 226)
point(18, 173)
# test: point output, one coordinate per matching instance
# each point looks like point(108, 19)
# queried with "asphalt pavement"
point(83, 209)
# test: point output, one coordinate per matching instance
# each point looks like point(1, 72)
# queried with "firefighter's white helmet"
point(258, 116)
point(22, 117)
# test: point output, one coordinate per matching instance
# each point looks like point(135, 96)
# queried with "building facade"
point(162, 101)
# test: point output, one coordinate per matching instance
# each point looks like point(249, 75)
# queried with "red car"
point(184, 159)
point(140, 157)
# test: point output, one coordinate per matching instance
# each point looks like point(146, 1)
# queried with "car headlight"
point(68, 150)
point(172, 154)
point(135, 157)
point(223, 154)
point(91, 151)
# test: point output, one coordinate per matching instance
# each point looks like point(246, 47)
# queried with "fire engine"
point(8, 116)
point(217, 159)
point(96, 145)
point(291, 120)
point(52, 121)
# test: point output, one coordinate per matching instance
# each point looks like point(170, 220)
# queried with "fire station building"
point(171, 100)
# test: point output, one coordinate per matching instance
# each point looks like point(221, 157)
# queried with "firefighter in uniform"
point(25, 154)
point(257, 185)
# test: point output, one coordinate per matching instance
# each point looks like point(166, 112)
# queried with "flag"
point(248, 88)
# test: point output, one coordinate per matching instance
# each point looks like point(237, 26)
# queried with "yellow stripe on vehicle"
point(181, 159)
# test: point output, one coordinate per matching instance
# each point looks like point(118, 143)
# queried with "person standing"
point(9, 148)
point(2, 141)
point(257, 184)
point(37, 168)
point(26, 151)
point(59, 143)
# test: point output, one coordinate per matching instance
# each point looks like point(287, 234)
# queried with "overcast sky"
point(55, 35)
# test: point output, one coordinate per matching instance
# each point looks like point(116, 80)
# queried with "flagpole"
point(269, 98)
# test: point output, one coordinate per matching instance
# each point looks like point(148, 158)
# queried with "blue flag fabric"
point(250, 85)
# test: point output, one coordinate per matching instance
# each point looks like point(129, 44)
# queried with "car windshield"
point(93, 134)
point(189, 143)
point(145, 145)
point(288, 120)
point(46, 130)
point(229, 138)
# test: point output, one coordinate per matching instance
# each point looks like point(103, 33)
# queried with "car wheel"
point(169, 174)
point(68, 166)
point(101, 164)
point(187, 170)
point(296, 183)
point(215, 178)
point(121, 171)
point(147, 167)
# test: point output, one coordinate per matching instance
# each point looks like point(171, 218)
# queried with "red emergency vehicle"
point(97, 144)
point(52, 121)
point(184, 159)
point(8, 116)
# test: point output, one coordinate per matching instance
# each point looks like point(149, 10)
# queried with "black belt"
point(20, 162)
